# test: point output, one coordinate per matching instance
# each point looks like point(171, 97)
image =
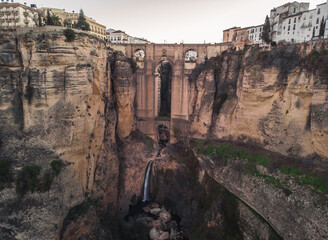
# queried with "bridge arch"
point(190, 56)
point(139, 55)
point(163, 89)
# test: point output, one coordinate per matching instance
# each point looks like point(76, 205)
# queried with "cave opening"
point(165, 81)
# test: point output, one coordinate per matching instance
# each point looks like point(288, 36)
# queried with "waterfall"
point(146, 182)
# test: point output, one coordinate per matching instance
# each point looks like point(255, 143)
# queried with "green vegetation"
point(316, 62)
point(148, 141)
point(322, 27)
point(163, 118)
point(69, 34)
point(5, 171)
point(56, 166)
point(266, 30)
point(46, 182)
point(52, 19)
point(28, 179)
point(81, 209)
point(82, 22)
point(225, 152)
point(317, 182)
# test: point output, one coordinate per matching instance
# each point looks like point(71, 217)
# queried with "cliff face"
point(276, 98)
point(56, 104)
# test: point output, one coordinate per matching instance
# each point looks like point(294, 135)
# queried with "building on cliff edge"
point(14, 15)
point(290, 22)
point(70, 19)
point(120, 37)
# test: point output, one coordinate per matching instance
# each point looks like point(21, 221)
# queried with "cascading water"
point(146, 182)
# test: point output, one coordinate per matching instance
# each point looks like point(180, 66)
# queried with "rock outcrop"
point(273, 98)
point(56, 103)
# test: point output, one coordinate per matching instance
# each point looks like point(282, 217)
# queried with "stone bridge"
point(182, 58)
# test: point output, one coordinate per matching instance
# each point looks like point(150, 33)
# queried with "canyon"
point(89, 117)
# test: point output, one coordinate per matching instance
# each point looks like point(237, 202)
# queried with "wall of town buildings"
point(17, 15)
point(291, 22)
point(13, 15)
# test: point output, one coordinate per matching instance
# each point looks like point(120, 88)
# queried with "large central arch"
point(163, 90)
point(150, 98)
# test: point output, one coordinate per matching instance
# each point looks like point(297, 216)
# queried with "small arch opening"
point(140, 55)
point(191, 56)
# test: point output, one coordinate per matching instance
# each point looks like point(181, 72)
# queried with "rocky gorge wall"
point(56, 103)
point(276, 98)
point(74, 102)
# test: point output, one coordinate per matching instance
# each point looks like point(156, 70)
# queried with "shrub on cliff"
point(28, 179)
point(69, 34)
point(56, 166)
point(5, 171)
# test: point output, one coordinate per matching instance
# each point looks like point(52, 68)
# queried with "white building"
point(277, 15)
point(120, 37)
point(302, 26)
point(14, 15)
point(255, 34)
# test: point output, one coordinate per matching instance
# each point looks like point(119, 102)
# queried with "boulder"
point(156, 234)
point(165, 216)
point(155, 211)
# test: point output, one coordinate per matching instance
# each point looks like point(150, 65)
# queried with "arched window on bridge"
point(140, 55)
point(191, 56)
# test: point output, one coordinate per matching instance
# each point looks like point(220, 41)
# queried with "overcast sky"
point(190, 21)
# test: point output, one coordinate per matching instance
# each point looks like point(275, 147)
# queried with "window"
point(318, 11)
point(288, 28)
point(284, 27)
point(294, 27)
point(227, 34)
point(294, 20)
point(294, 10)
point(289, 21)
point(119, 38)
point(317, 20)
point(304, 18)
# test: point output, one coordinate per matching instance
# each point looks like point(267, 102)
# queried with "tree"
point(313, 33)
point(40, 21)
point(82, 22)
point(322, 28)
point(266, 31)
point(52, 19)
point(69, 34)
point(67, 23)
point(49, 20)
